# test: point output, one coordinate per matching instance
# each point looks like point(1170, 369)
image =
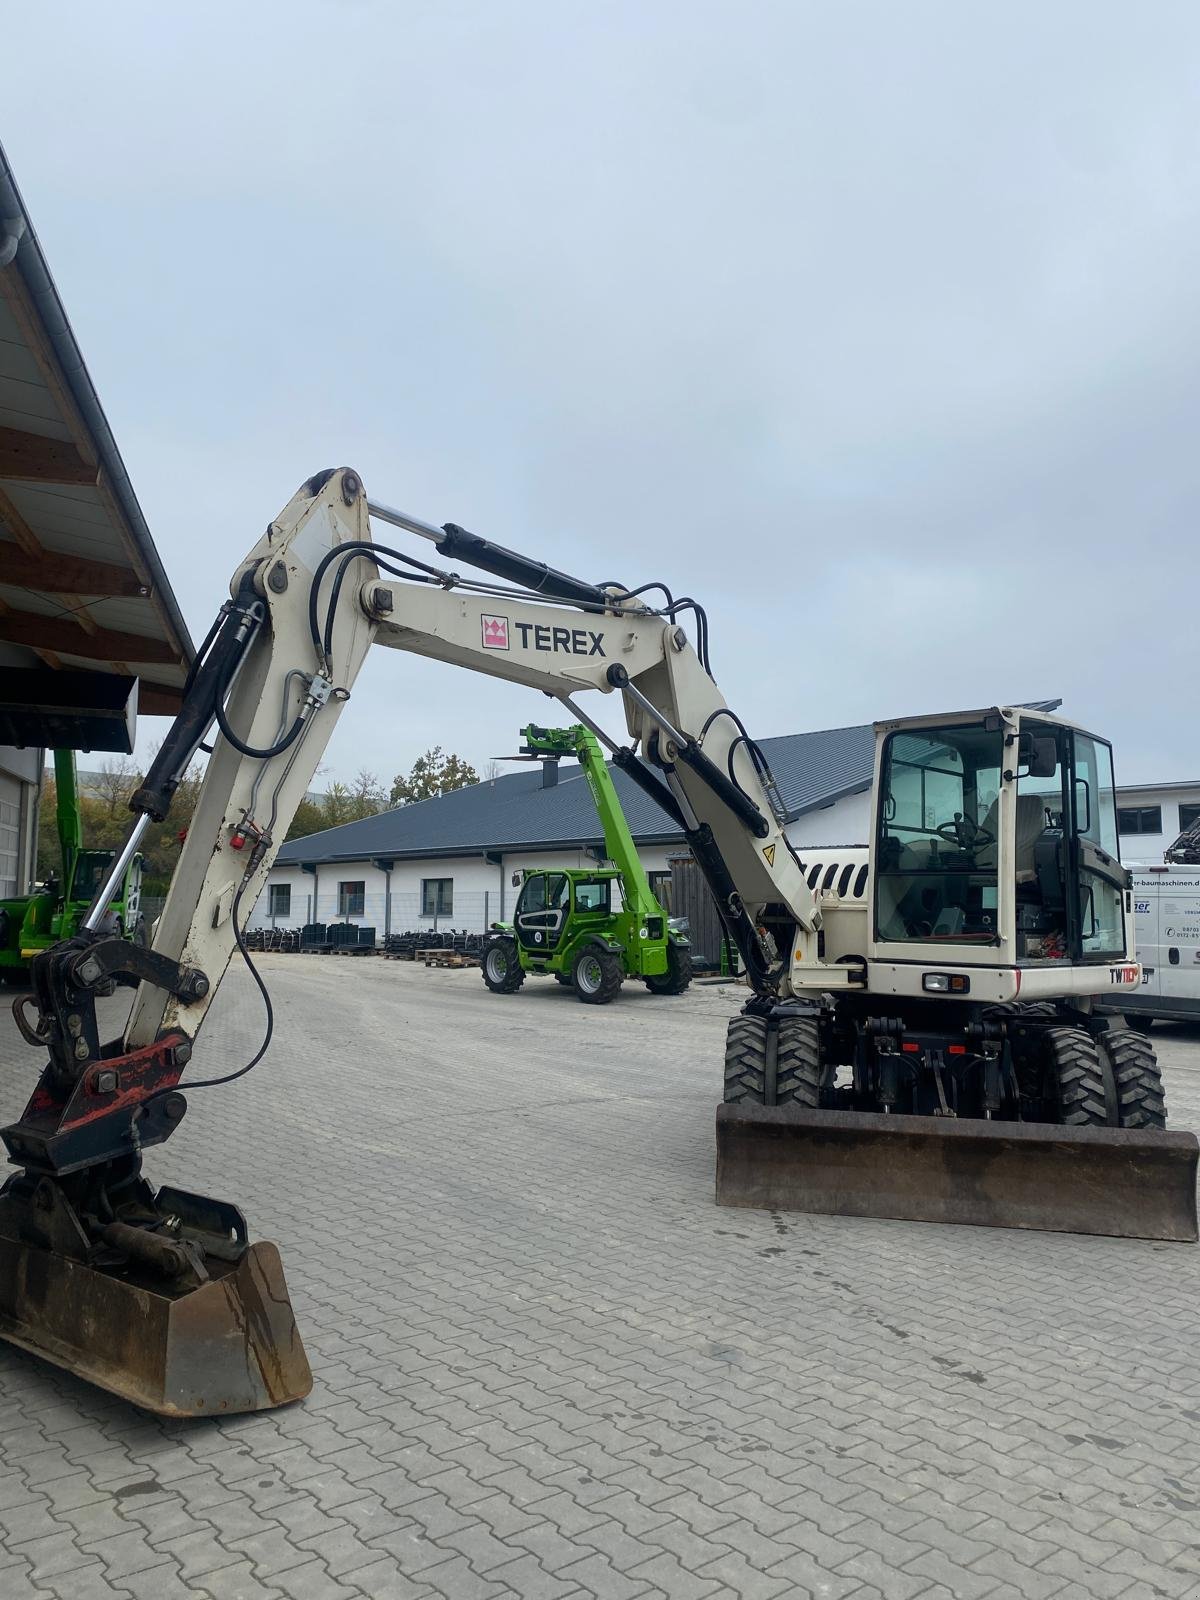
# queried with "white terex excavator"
point(919, 1041)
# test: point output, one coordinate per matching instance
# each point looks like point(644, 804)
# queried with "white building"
point(1151, 816)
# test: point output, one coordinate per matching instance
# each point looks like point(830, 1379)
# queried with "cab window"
point(592, 896)
point(937, 877)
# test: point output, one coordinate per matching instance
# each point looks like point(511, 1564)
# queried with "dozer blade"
point(1117, 1181)
point(229, 1345)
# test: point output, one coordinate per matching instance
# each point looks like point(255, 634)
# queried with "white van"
point(1167, 906)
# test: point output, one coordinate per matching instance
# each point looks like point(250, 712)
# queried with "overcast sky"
point(874, 326)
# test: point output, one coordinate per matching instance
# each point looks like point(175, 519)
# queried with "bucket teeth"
point(1124, 1182)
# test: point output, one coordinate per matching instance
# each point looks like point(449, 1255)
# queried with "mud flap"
point(1123, 1182)
point(229, 1345)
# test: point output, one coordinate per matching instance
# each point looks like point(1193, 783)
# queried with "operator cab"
point(548, 900)
point(999, 830)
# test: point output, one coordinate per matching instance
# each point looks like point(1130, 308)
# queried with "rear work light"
point(946, 983)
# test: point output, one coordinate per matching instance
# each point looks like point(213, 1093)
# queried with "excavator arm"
point(161, 1297)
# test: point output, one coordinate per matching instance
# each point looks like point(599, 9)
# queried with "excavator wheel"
point(678, 974)
point(798, 1063)
point(745, 1061)
point(502, 969)
point(597, 975)
point(1078, 1094)
point(1140, 1100)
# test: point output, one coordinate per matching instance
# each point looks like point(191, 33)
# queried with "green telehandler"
point(29, 923)
point(566, 923)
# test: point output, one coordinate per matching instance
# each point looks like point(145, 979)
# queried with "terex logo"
point(1123, 975)
point(565, 641)
point(495, 632)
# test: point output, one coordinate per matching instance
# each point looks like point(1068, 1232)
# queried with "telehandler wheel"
point(745, 1061)
point(597, 975)
point(1075, 1089)
point(502, 969)
point(798, 1064)
point(678, 974)
point(1140, 1101)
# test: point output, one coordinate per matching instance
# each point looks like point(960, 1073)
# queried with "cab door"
point(541, 914)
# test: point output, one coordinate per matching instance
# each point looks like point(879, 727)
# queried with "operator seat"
point(1031, 824)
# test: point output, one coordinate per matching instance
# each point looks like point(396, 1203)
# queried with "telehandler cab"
point(925, 1046)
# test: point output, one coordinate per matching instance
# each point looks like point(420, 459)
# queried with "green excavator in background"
point(567, 923)
point(29, 923)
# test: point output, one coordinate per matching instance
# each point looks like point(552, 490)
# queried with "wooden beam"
point(53, 573)
point(17, 526)
point(158, 699)
point(36, 459)
point(29, 320)
point(62, 634)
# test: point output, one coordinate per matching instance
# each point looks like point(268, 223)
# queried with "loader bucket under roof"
point(1124, 1182)
point(229, 1345)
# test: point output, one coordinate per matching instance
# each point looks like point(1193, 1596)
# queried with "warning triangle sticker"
point(769, 852)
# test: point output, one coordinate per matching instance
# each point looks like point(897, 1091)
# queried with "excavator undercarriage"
point(1035, 1118)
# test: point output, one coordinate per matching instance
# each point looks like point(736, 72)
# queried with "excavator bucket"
point(1125, 1182)
point(224, 1345)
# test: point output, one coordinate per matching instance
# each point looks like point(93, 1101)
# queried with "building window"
point(351, 899)
point(1189, 816)
point(1139, 819)
point(279, 898)
point(437, 897)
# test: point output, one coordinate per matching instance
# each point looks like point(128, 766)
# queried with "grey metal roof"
point(66, 501)
point(516, 812)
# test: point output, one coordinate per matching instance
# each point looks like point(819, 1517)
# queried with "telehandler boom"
point(922, 1045)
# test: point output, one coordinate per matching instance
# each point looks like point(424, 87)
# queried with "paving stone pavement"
point(547, 1366)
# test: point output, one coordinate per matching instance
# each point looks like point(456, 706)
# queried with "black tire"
point(1140, 1099)
point(597, 975)
point(745, 1061)
point(798, 1063)
point(1076, 1092)
point(502, 969)
point(564, 978)
point(678, 974)
point(1139, 1021)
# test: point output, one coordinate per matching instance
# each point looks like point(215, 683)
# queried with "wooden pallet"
point(447, 958)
